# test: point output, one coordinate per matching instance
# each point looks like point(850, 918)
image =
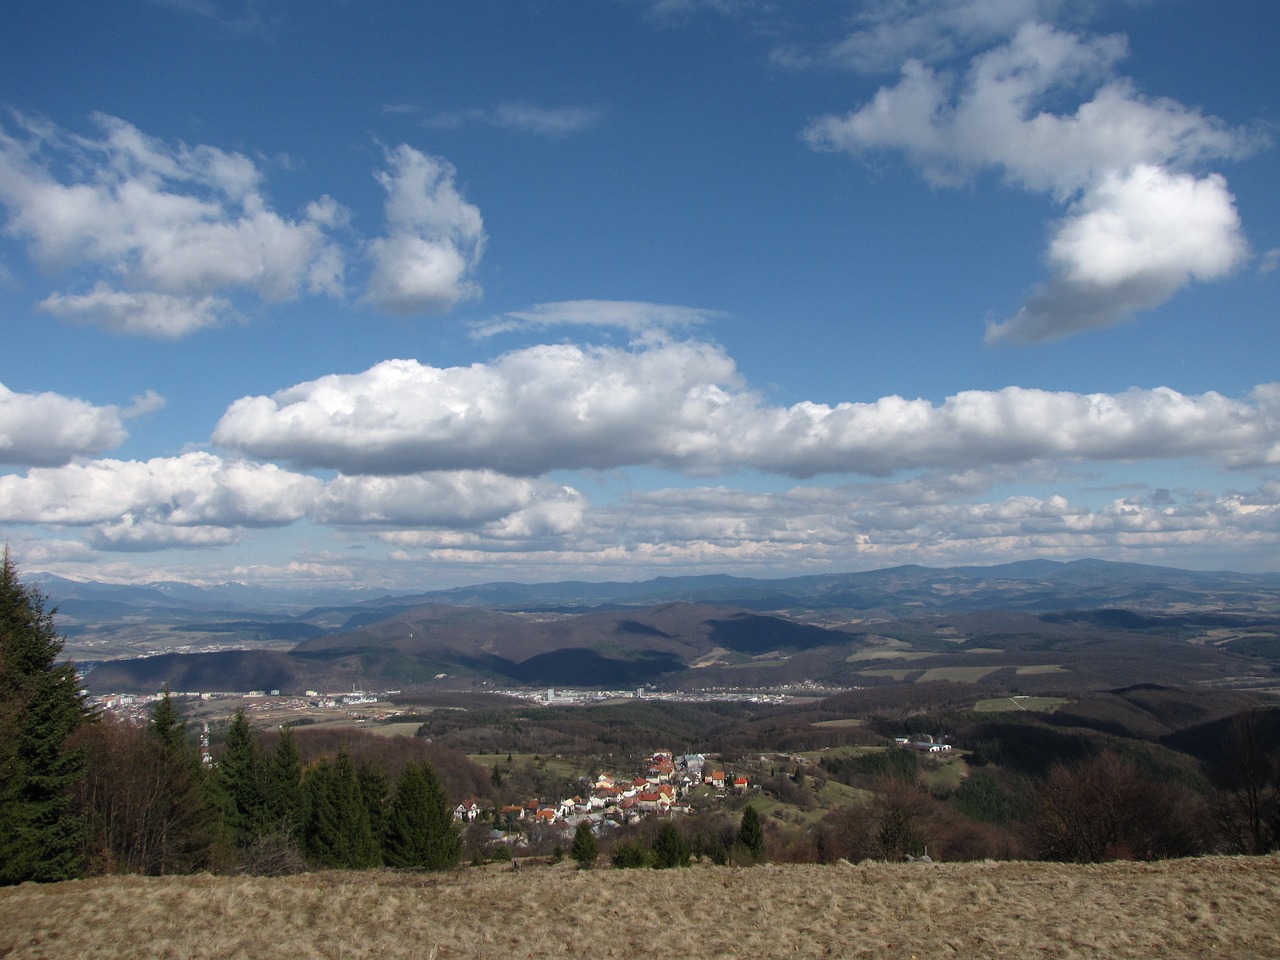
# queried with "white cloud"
point(1130, 243)
point(1119, 159)
point(545, 121)
point(435, 238)
point(447, 499)
point(634, 317)
point(172, 229)
point(936, 519)
point(148, 314)
point(202, 500)
point(682, 405)
point(533, 410)
point(514, 115)
point(887, 32)
point(48, 429)
point(193, 490)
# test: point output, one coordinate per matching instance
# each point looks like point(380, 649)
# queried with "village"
point(664, 788)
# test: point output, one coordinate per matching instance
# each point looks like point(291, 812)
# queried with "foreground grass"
point(1218, 906)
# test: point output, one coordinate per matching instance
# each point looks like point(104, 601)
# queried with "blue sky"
point(412, 295)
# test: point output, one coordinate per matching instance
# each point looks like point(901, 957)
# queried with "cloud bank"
point(683, 406)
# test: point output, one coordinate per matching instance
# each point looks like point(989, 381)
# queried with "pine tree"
point(338, 833)
point(167, 724)
point(375, 791)
point(40, 707)
point(286, 799)
point(242, 778)
point(751, 833)
point(670, 848)
point(421, 833)
point(585, 850)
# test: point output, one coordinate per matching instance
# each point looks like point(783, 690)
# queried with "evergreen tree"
point(421, 833)
point(375, 791)
point(41, 838)
point(167, 724)
point(338, 833)
point(670, 848)
point(286, 799)
point(751, 833)
point(242, 778)
point(585, 850)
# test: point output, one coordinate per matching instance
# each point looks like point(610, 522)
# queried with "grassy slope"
point(1220, 907)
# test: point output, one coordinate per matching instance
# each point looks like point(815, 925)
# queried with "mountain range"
point(1035, 624)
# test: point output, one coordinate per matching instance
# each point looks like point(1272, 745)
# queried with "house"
point(716, 779)
point(467, 812)
point(740, 784)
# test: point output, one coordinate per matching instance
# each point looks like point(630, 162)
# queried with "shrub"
point(629, 854)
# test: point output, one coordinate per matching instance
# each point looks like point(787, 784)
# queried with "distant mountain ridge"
point(1036, 584)
point(1031, 623)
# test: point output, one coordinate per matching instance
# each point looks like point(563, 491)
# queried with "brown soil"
point(1211, 907)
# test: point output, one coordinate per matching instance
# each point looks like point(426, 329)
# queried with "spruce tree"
point(242, 778)
point(40, 707)
point(670, 848)
point(751, 833)
point(585, 850)
point(421, 833)
point(167, 724)
point(286, 800)
point(338, 833)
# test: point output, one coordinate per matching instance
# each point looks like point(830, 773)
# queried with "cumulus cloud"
point(1130, 243)
point(149, 314)
point(170, 229)
point(683, 405)
point(938, 518)
point(534, 410)
point(933, 521)
point(193, 490)
point(202, 500)
point(1139, 225)
point(434, 241)
point(636, 318)
point(48, 429)
point(458, 500)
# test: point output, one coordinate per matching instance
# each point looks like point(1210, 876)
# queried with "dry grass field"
point(1213, 907)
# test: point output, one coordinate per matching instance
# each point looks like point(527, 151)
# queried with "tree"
point(338, 832)
point(670, 848)
point(1102, 808)
point(242, 778)
point(41, 706)
point(585, 850)
point(143, 802)
point(286, 801)
point(629, 854)
point(167, 725)
point(1247, 775)
point(751, 833)
point(421, 833)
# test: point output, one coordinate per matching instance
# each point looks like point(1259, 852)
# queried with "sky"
point(409, 295)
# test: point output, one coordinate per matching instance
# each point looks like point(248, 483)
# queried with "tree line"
point(81, 793)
